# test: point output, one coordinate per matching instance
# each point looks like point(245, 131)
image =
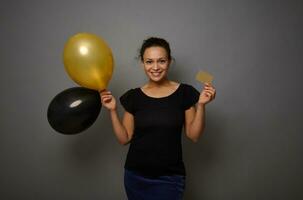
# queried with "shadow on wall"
point(89, 149)
point(203, 156)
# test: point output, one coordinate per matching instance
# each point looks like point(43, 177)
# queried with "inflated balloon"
point(74, 110)
point(88, 61)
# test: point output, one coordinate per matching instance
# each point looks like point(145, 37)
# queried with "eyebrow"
point(158, 58)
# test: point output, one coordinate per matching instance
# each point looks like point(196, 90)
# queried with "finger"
point(206, 93)
point(105, 100)
point(209, 86)
point(106, 97)
point(213, 95)
point(209, 90)
point(208, 83)
point(209, 94)
point(105, 92)
point(102, 91)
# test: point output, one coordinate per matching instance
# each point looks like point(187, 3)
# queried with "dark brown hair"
point(154, 42)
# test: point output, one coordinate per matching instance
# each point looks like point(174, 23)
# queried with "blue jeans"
point(139, 187)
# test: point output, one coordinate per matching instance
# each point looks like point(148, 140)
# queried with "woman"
point(152, 123)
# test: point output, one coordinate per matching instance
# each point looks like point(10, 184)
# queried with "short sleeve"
point(190, 97)
point(126, 101)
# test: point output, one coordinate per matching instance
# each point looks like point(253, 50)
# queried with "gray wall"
point(252, 145)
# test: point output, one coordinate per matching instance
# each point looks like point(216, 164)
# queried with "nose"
point(155, 66)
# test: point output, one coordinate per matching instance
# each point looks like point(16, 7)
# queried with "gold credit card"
point(204, 77)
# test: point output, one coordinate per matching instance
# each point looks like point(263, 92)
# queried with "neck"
point(161, 83)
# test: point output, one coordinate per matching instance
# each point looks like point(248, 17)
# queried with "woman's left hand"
point(208, 94)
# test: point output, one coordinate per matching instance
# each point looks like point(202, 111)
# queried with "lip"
point(156, 74)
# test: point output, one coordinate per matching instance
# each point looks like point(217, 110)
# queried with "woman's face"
point(156, 63)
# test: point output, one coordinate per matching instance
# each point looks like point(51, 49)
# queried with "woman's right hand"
point(108, 100)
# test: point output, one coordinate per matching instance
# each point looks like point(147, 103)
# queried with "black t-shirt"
point(156, 148)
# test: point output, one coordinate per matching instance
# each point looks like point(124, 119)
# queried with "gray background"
point(252, 144)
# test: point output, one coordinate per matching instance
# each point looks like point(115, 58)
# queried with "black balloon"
point(74, 110)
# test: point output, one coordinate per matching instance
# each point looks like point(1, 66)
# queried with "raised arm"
point(195, 116)
point(123, 130)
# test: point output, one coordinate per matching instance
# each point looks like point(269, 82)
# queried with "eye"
point(148, 62)
point(162, 61)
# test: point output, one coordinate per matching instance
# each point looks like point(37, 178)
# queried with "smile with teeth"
point(156, 73)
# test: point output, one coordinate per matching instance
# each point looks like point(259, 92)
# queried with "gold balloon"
point(88, 61)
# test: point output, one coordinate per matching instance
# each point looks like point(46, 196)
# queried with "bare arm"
point(195, 122)
point(123, 130)
point(195, 116)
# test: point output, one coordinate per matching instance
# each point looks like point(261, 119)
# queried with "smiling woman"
point(156, 63)
point(154, 116)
